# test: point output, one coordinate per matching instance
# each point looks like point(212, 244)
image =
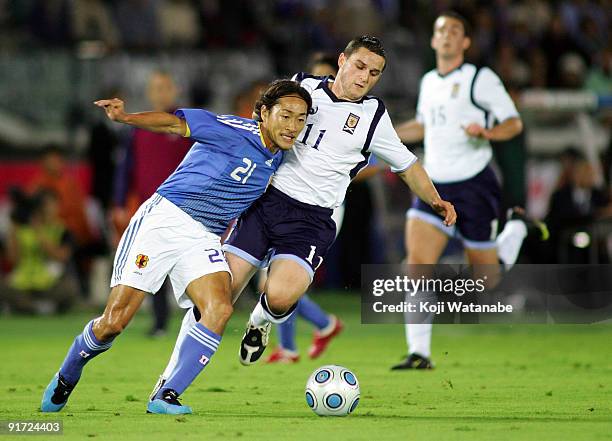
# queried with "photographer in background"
point(39, 248)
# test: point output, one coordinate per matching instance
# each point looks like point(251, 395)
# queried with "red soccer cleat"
point(281, 355)
point(321, 339)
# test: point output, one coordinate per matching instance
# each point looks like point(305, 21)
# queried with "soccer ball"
point(332, 391)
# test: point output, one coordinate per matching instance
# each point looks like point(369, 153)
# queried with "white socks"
point(419, 339)
point(509, 242)
point(262, 314)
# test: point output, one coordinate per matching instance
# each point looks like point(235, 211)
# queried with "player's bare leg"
point(96, 338)
point(485, 265)
point(212, 296)
point(424, 243)
point(242, 271)
point(287, 281)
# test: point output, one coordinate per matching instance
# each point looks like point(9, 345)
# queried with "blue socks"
point(85, 347)
point(199, 345)
point(311, 312)
point(286, 333)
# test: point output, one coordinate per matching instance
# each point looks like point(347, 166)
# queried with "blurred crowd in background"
point(70, 180)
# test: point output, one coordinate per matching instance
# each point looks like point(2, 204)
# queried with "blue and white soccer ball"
point(332, 391)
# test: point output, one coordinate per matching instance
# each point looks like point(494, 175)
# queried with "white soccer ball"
point(332, 391)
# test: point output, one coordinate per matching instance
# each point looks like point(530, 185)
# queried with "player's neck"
point(267, 141)
point(446, 65)
point(336, 89)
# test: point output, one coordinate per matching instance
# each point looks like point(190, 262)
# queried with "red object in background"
point(22, 173)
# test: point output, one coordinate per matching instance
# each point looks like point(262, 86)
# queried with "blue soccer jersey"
point(226, 170)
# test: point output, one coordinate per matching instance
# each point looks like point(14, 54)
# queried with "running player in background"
point(176, 232)
point(291, 225)
point(457, 107)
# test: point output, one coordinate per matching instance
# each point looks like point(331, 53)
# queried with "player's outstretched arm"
point(154, 121)
point(419, 182)
point(410, 131)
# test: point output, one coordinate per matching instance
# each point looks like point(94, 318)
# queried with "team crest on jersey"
point(455, 90)
point(351, 123)
point(141, 261)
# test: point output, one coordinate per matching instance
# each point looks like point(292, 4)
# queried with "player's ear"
point(341, 60)
point(264, 113)
point(467, 41)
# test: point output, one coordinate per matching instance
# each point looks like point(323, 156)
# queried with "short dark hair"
point(467, 29)
point(372, 44)
point(277, 90)
point(323, 58)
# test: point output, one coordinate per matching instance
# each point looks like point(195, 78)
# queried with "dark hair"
point(372, 44)
point(277, 90)
point(322, 58)
point(467, 29)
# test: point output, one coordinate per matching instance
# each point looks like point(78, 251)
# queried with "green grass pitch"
point(491, 382)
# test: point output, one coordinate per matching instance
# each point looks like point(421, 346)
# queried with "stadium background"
point(57, 56)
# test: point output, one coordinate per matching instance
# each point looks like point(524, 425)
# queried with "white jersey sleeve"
point(387, 146)
point(490, 93)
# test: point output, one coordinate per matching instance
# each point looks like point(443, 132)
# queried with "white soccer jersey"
point(447, 104)
point(335, 144)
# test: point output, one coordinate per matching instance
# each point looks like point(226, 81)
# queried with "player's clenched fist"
point(114, 108)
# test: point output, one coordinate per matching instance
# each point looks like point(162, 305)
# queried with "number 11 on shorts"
point(313, 250)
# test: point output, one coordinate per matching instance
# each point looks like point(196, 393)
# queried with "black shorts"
point(277, 226)
point(477, 202)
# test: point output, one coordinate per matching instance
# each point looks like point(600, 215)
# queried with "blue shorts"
point(277, 226)
point(477, 202)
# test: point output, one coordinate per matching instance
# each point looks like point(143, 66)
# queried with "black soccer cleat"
point(56, 394)
point(414, 361)
point(253, 343)
point(534, 226)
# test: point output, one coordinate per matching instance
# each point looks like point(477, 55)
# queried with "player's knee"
point(279, 304)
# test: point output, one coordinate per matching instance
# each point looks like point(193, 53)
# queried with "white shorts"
point(162, 240)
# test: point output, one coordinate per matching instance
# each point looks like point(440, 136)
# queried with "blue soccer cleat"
point(56, 394)
point(168, 404)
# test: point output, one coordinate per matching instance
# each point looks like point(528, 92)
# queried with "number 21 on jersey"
point(241, 174)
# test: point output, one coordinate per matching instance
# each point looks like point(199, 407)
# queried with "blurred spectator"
point(599, 77)
point(322, 64)
point(243, 102)
point(148, 160)
point(39, 247)
point(572, 71)
point(92, 20)
point(55, 177)
point(555, 43)
point(572, 208)
point(179, 23)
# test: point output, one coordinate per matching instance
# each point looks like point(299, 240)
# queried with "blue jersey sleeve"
point(202, 124)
